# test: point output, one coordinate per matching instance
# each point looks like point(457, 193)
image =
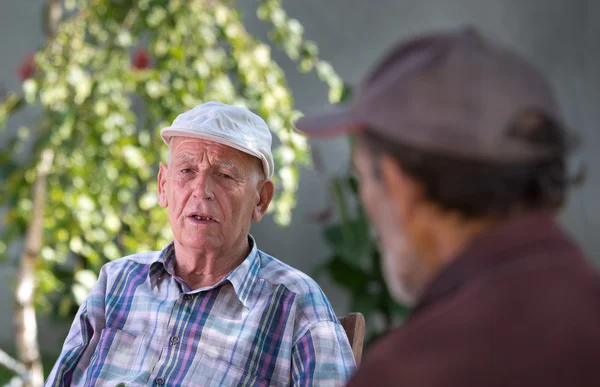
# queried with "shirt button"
point(174, 340)
point(187, 297)
point(159, 381)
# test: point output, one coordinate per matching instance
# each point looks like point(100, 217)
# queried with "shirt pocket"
point(210, 371)
point(122, 357)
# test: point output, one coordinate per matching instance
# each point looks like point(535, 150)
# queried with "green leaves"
point(287, 34)
point(350, 240)
point(10, 105)
point(84, 280)
point(347, 275)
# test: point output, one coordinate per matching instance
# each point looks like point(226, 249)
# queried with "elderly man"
point(210, 309)
point(462, 157)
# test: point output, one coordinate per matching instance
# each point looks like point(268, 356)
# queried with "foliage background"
point(351, 34)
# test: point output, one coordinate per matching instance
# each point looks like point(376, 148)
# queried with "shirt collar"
point(162, 264)
point(243, 278)
point(505, 242)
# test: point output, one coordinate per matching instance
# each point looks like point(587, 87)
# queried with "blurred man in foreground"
point(210, 309)
point(462, 156)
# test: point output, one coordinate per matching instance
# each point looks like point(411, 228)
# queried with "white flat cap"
point(233, 126)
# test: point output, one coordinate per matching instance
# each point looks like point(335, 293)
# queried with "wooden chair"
point(354, 325)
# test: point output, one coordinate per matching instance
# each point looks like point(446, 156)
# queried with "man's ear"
point(405, 191)
point(163, 172)
point(265, 195)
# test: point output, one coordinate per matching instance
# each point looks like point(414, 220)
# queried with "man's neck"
point(199, 269)
point(454, 237)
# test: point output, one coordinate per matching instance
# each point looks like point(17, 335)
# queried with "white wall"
point(561, 36)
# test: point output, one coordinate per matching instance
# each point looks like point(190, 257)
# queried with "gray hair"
point(169, 154)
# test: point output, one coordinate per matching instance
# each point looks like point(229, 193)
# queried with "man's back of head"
point(459, 132)
point(462, 154)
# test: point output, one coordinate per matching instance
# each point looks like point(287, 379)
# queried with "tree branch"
point(12, 364)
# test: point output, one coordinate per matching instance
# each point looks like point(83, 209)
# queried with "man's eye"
point(186, 170)
point(224, 175)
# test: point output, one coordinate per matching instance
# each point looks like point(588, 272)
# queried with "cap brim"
point(334, 123)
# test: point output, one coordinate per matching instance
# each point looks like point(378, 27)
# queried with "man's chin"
point(199, 242)
point(402, 296)
point(402, 289)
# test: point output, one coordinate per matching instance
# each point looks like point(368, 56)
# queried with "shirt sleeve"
point(82, 338)
point(322, 356)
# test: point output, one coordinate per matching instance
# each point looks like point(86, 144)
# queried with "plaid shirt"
point(264, 324)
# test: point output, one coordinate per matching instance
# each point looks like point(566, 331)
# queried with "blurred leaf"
point(86, 278)
point(347, 93)
point(65, 305)
point(10, 105)
point(353, 184)
point(347, 275)
point(351, 240)
point(364, 302)
point(79, 292)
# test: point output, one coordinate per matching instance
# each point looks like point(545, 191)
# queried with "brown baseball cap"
point(451, 92)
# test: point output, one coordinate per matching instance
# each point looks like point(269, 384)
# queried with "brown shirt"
point(520, 307)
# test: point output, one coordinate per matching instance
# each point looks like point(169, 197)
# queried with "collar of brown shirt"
point(501, 245)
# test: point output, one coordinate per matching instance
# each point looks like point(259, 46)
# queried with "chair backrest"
point(354, 325)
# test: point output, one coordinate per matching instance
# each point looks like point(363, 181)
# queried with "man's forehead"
point(189, 148)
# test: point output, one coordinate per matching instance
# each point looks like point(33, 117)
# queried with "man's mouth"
point(203, 218)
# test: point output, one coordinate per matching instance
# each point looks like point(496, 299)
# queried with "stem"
point(26, 332)
point(25, 322)
point(51, 17)
point(9, 363)
point(338, 192)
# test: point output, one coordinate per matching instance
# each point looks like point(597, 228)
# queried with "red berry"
point(27, 68)
point(141, 59)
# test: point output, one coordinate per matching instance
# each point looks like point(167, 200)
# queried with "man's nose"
point(203, 187)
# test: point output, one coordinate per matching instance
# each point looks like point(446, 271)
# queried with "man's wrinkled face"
point(401, 265)
point(212, 193)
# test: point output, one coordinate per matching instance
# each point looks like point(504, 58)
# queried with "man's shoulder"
point(311, 299)
point(277, 272)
